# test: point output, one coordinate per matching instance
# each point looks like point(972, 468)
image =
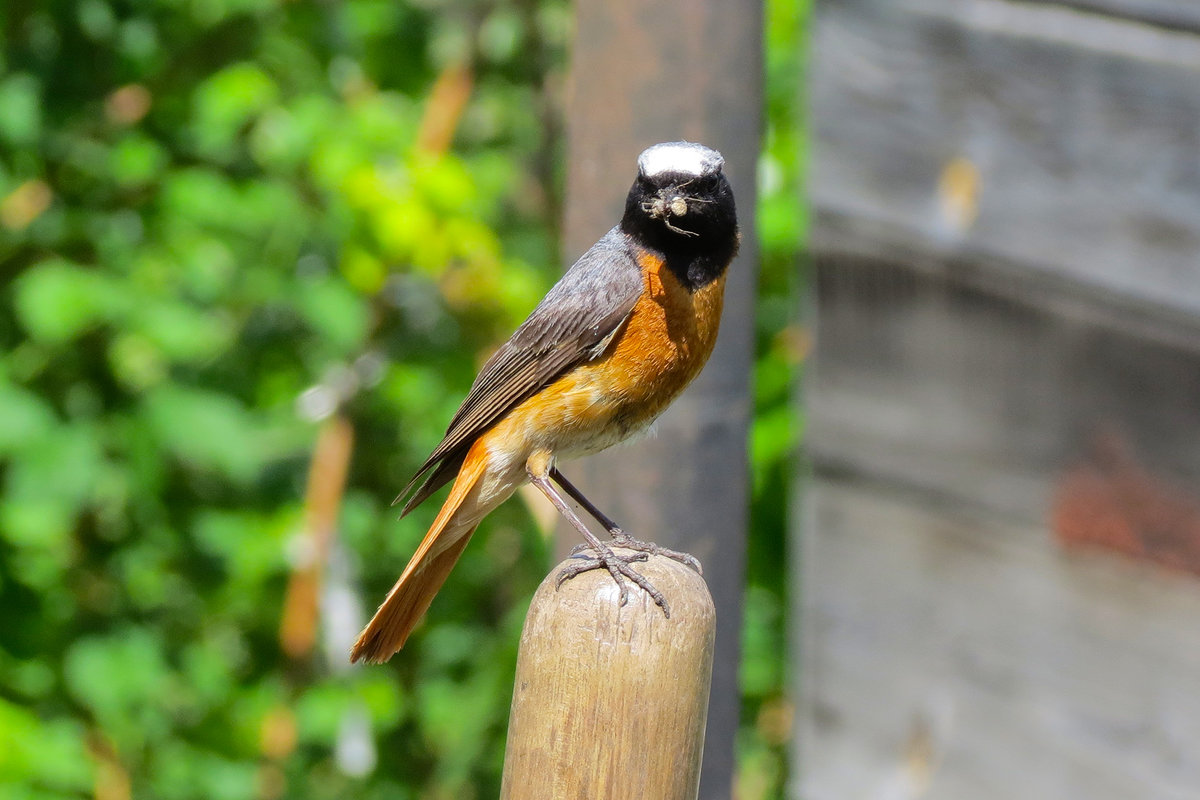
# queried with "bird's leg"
point(614, 530)
point(617, 565)
point(620, 537)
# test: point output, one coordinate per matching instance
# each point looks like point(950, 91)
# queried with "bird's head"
point(681, 196)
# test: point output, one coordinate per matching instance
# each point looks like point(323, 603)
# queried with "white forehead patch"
point(688, 158)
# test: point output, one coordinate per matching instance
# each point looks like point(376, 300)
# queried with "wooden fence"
point(1001, 545)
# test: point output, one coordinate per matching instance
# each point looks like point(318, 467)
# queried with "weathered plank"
point(1168, 14)
point(1007, 223)
point(961, 438)
point(947, 656)
point(1060, 140)
point(931, 381)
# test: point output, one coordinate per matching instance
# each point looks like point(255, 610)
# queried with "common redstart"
point(608, 348)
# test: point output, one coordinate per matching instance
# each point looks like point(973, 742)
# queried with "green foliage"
point(206, 208)
point(767, 710)
point(50, 753)
point(210, 210)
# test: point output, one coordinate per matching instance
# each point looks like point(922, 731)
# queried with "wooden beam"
point(1051, 138)
point(1002, 530)
point(948, 655)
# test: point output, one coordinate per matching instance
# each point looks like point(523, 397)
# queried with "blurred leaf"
point(501, 34)
point(445, 184)
point(137, 39)
point(227, 101)
point(24, 417)
point(148, 576)
point(48, 482)
point(319, 712)
point(32, 678)
point(96, 19)
point(208, 673)
point(57, 300)
point(20, 109)
point(136, 160)
point(193, 773)
point(337, 314)
point(205, 430)
point(383, 699)
point(363, 271)
point(62, 465)
point(210, 199)
point(136, 362)
point(49, 753)
point(250, 545)
point(282, 137)
point(184, 333)
point(205, 265)
point(121, 678)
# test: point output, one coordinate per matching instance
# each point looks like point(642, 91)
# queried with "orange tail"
point(408, 600)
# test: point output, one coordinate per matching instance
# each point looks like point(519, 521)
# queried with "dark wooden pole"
point(610, 700)
point(647, 71)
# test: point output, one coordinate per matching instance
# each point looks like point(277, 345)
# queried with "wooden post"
point(610, 701)
point(646, 71)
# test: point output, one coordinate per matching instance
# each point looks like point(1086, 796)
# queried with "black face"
point(690, 219)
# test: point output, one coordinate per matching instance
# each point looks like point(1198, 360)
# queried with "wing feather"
point(568, 327)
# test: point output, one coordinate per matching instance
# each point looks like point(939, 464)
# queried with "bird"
point(620, 335)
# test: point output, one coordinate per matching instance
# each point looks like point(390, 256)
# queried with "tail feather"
point(437, 554)
point(439, 477)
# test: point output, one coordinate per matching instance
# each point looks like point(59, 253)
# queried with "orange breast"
point(662, 346)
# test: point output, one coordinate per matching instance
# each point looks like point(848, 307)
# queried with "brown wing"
point(568, 327)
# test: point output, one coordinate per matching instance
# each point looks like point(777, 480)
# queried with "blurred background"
point(252, 254)
point(1001, 529)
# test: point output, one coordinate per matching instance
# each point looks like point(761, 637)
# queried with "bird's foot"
point(618, 565)
point(622, 539)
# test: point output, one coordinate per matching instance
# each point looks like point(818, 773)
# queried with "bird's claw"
point(629, 543)
point(619, 567)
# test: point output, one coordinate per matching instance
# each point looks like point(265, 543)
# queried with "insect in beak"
point(666, 207)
